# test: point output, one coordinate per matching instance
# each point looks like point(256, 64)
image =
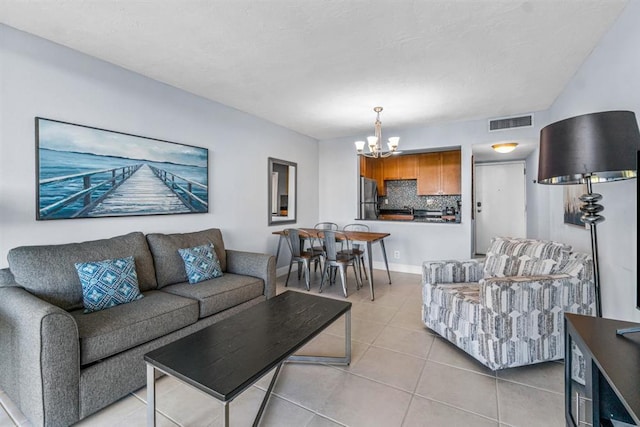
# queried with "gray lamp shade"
point(601, 145)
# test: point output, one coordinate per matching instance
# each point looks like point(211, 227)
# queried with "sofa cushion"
point(201, 263)
point(507, 257)
point(49, 273)
point(169, 265)
point(220, 293)
point(107, 332)
point(108, 283)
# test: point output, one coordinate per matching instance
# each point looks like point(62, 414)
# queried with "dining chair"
point(317, 245)
point(303, 257)
point(334, 260)
point(358, 248)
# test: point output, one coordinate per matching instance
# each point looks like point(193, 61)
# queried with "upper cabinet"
point(401, 167)
point(439, 173)
point(374, 169)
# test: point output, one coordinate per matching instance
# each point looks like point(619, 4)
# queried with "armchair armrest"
point(40, 363)
point(262, 266)
point(452, 271)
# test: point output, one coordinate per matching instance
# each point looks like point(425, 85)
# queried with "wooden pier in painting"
point(133, 190)
point(140, 193)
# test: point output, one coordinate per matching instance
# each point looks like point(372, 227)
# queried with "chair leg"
point(307, 273)
point(343, 278)
point(357, 273)
point(325, 272)
point(286, 283)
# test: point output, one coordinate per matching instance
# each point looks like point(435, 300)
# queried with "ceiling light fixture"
point(505, 147)
point(374, 142)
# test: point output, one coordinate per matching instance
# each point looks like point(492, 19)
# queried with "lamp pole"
point(591, 216)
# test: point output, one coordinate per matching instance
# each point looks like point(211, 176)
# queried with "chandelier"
point(374, 142)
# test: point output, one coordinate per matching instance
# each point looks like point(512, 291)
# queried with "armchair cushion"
point(508, 257)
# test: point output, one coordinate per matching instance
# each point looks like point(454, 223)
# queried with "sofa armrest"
point(452, 271)
point(262, 266)
point(40, 363)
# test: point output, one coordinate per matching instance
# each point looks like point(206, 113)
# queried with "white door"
point(500, 202)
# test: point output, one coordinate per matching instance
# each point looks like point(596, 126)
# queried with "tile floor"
point(400, 375)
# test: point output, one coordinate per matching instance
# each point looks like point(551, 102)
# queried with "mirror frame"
point(291, 217)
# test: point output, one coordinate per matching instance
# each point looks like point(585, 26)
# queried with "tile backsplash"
point(403, 193)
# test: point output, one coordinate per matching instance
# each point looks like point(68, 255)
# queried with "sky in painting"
point(60, 136)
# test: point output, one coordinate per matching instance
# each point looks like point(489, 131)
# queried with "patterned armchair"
point(507, 310)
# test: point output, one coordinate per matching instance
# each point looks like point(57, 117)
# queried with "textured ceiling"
point(320, 66)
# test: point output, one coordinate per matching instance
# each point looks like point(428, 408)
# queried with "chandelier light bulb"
point(374, 142)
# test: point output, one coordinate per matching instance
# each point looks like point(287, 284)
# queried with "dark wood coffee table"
point(228, 357)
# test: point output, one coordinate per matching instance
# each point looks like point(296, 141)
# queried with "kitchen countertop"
point(418, 215)
point(431, 220)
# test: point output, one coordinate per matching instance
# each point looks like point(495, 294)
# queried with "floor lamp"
point(592, 148)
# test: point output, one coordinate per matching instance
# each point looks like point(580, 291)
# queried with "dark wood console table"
point(609, 393)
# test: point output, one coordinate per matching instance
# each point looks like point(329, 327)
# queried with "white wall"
point(608, 80)
point(40, 78)
point(417, 242)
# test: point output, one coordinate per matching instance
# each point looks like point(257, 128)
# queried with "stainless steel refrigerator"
point(368, 199)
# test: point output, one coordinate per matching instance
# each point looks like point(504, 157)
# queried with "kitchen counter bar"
point(421, 220)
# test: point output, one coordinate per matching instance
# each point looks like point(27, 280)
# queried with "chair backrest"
point(295, 239)
point(326, 226)
point(331, 239)
point(355, 227)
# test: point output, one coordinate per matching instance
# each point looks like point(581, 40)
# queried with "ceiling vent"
point(510, 123)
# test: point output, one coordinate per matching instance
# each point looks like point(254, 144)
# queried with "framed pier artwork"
point(87, 172)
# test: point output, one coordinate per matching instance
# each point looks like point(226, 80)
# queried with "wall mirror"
point(282, 191)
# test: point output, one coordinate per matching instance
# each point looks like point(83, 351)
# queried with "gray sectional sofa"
point(60, 365)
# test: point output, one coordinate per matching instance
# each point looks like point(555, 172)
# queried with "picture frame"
point(88, 172)
point(572, 203)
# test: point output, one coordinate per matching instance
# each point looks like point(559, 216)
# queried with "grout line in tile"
point(493, 375)
point(372, 379)
point(529, 385)
point(458, 408)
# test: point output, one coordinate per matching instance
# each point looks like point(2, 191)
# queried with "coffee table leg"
point(347, 335)
point(346, 360)
point(267, 395)
point(151, 396)
point(225, 415)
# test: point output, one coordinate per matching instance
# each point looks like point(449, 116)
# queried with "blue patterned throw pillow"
point(201, 263)
point(108, 283)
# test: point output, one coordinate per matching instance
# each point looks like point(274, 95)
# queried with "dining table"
point(367, 237)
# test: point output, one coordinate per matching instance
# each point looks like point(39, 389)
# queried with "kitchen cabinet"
point(373, 169)
point(401, 167)
point(377, 173)
point(439, 173)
